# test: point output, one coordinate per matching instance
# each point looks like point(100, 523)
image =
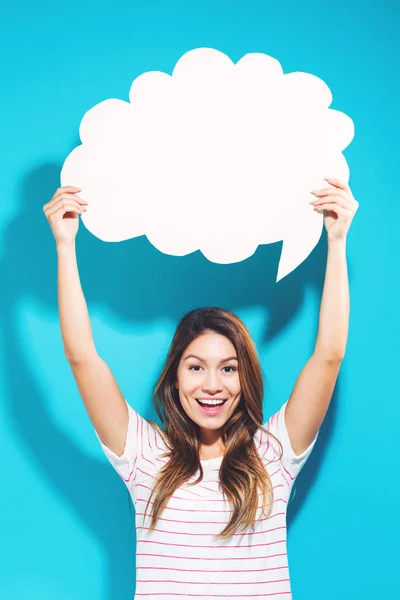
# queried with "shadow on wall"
point(124, 276)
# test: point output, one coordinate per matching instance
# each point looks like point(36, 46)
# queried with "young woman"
point(211, 487)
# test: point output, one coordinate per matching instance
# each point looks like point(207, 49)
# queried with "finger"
point(68, 195)
point(336, 208)
point(58, 216)
point(337, 183)
point(62, 209)
point(69, 187)
point(329, 191)
point(66, 188)
point(64, 196)
point(63, 202)
point(332, 198)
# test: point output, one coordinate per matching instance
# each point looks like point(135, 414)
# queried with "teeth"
point(212, 402)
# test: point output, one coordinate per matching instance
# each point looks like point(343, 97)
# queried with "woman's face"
point(208, 372)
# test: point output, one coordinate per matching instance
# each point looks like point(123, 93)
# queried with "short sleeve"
point(292, 463)
point(136, 439)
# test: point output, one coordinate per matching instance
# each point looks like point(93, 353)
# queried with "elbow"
point(331, 356)
point(82, 355)
point(336, 359)
point(75, 360)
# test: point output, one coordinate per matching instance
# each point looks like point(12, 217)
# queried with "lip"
point(212, 410)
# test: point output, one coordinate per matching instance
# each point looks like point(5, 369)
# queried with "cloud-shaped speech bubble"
point(217, 157)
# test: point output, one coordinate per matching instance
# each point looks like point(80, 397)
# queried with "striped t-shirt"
point(180, 558)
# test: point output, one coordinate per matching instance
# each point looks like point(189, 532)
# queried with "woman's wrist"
point(65, 247)
point(339, 242)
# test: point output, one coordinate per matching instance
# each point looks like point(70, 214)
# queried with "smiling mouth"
point(211, 403)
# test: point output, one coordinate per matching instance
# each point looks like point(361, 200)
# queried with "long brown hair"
point(242, 472)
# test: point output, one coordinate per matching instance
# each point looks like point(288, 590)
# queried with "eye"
point(196, 368)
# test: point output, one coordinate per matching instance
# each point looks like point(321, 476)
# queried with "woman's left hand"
point(339, 208)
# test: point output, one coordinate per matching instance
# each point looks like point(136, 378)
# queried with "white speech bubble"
point(217, 157)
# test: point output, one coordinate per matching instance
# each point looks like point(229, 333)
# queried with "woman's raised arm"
point(97, 386)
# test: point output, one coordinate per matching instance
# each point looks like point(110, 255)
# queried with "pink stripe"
point(201, 522)
point(214, 559)
point(198, 485)
point(218, 571)
point(130, 475)
point(158, 438)
point(210, 582)
point(214, 545)
point(190, 491)
point(150, 462)
point(292, 478)
point(206, 510)
point(288, 484)
point(193, 546)
point(267, 448)
point(275, 472)
point(199, 495)
point(209, 534)
point(153, 453)
point(260, 439)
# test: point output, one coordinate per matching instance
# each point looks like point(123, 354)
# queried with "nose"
point(212, 384)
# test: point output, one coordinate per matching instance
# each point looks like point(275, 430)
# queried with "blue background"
point(65, 521)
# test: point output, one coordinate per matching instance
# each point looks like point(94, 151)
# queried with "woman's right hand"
point(62, 213)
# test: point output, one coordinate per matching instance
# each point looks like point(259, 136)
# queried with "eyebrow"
point(202, 360)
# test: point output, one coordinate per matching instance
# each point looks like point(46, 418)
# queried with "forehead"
point(211, 345)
